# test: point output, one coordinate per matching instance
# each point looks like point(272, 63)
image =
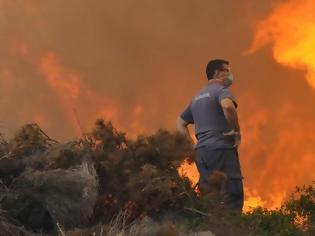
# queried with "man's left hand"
point(235, 135)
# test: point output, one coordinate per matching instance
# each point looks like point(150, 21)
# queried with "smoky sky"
point(146, 59)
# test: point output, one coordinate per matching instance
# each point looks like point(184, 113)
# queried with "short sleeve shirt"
point(205, 111)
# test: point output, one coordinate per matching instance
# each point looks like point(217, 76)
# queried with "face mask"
point(229, 80)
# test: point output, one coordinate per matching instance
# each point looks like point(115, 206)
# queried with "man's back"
point(206, 113)
point(213, 112)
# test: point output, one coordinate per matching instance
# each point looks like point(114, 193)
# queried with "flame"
point(291, 31)
point(190, 171)
point(301, 222)
point(252, 198)
point(67, 84)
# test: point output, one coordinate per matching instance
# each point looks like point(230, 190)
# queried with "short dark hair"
point(214, 65)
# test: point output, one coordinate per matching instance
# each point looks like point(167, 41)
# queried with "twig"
point(78, 121)
point(5, 188)
point(60, 230)
point(50, 139)
point(196, 211)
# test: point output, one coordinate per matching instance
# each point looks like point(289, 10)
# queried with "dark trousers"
point(226, 161)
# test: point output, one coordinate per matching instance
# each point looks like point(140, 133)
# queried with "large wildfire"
point(65, 64)
point(290, 30)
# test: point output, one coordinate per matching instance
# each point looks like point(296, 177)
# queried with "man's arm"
point(230, 114)
point(182, 127)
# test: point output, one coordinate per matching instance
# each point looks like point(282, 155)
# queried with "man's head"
point(220, 70)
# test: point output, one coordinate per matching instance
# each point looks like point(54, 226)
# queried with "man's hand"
point(235, 135)
point(181, 127)
point(230, 114)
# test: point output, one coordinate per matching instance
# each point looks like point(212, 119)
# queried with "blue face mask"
point(229, 80)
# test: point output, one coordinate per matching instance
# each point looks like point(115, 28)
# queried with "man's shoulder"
point(216, 89)
point(221, 89)
point(210, 90)
point(201, 93)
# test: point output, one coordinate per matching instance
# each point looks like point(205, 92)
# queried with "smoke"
point(65, 63)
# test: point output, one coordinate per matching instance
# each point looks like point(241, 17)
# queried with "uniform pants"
point(226, 161)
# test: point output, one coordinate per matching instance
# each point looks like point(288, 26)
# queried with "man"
point(213, 111)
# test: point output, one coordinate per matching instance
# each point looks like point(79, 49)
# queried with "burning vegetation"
point(106, 184)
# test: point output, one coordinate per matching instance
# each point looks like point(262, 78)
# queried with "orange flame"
point(190, 171)
point(252, 198)
point(291, 31)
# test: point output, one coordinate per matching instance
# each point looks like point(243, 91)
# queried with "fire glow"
point(291, 31)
